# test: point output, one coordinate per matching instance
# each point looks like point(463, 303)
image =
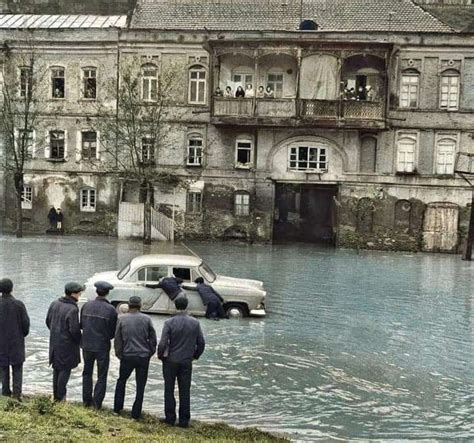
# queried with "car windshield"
point(124, 271)
point(207, 272)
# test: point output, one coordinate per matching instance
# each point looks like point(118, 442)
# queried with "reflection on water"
point(375, 345)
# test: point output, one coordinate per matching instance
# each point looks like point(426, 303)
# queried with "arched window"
point(449, 93)
point(197, 89)
point(402, 221)
point(409, 88)
point(88, 199)
point(149, 74)
point(308, 25)
point(368, 154)
point(445, 153)
point(365, 215)
point(406, 152)
point(241, 204)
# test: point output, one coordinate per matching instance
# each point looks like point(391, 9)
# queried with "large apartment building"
point(345, 128)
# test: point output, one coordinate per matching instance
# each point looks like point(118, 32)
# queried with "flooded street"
point(376, 345)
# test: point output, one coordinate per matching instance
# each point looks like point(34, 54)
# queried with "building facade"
point(346, 131)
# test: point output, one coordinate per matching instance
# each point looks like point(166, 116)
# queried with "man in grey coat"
point(14, 327)
point(135, 343)
point(181, 342)
point(62, 321)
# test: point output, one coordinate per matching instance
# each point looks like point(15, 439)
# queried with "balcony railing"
point(307, 109)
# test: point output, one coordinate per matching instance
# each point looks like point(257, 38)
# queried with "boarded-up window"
point(365, 215)
point(368, 154)
point(402, 216)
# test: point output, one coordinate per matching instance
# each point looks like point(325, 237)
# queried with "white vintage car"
point(242, 297)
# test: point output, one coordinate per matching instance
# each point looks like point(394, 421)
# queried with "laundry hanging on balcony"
point(319, 77)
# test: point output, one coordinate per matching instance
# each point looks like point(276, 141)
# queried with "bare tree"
point(20, 113)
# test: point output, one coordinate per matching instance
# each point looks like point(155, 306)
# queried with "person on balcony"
point(240, 93)
point(369, 92)
point(260, 92)
point(228, 92)
point(218, 92)
point(269, 92)
point(249, 92)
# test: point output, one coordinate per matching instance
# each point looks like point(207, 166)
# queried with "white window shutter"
point(97, 150)
point(47, 150)
point(78, 146)
point(65, 144)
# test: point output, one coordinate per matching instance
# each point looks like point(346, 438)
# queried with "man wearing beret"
point(62, 321)
point(14, 327)
point(98, 322)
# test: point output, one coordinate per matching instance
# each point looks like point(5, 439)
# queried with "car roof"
point(165, 259)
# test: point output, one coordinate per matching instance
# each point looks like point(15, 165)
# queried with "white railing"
point(163, 224)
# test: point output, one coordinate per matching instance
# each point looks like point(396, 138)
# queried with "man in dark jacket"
point(98, 322)
point(211, 299)
point(135, 343)
point(65, 337)
point(14, 327)
point(181, 342)
point(172, 287)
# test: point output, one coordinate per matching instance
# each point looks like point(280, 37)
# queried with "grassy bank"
point(39, 419)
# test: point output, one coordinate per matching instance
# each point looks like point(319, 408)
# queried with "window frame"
point(250, 163)
point(412, 73)
point(31, 149)
point(197, 69)
point(149, 83)
point(200, 157)
point(146, 268)
point(275, 93)
point(25, 88)
point(442, 137)
point(53, 77)
point(89, 157)
point(193, 207)
point(88, 207)
point(147, 146)
point(448, 75)
point(27, 203)
point(242, 208)
point(246, 81)
point(295, 157)
point(84, 81)
point(412, 136)
point(50, 141)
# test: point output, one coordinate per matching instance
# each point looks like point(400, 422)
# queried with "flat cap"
point(6, 286)
point(134, 301)
point(103, 286)
point(73, 288)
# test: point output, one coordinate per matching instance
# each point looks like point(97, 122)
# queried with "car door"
point(153, 298)
point(188, 275)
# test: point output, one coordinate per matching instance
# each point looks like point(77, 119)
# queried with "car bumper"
point(258, 313)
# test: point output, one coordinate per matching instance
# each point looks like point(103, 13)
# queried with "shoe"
point(166, 422)
point(183, 425)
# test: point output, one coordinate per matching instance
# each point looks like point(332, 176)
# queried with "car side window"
point(183, 273)
point(152, 273)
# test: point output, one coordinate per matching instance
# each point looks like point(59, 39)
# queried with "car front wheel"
point(235, 310)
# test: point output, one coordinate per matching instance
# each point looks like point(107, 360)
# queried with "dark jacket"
point(171, 286)
point(181, 339)
point(98, 323)
point(14, 327)
point(208, 293)
point(135, 336)
point(65, 333)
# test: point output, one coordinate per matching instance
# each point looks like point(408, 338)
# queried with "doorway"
point(305, 213)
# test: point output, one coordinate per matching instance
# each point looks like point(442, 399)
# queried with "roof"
point(31, 21)
point(285, 15)
point(459, 17)
point(166, 260)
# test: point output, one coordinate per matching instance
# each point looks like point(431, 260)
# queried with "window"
point(445, 153)
point(409, 89)
point(25, 82)
point(27, 197)
point(275, 81)
point(149, 82)
point(57, 83)
point(194, 201)
point(197, 85)
point(27, 142)
point(148, 150)
point(56, 145)
point(406, 150)
point(88, 200)
point(243, 153)
point(241, 204)
point(152, 273)
point(89, 145)
point(304, 158)
point(449, 97)
point(183, 273)
point(89, 83)
point(194, 151)
point(241, 79)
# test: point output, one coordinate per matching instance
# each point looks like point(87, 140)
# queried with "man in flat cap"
point(135, 343)
point(98, 322)
point(14, 327)
point(65, 337)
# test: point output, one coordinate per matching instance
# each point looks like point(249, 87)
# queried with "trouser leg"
point(103, 360)
point(126, 368)
point(17, 379)
point(62, 379)
point(141, 377)
point(5, 370)
point(184, 385)
point(55, 383)
point(169, 376)
point(87, 373)
point(209, 310)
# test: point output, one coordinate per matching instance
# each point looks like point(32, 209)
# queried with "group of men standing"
point(181, 342)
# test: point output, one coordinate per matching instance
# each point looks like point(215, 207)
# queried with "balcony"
point(299, 112)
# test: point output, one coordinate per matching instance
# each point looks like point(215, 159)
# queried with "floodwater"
point(354, 346)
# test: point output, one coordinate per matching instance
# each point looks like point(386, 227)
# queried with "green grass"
point(39, 419)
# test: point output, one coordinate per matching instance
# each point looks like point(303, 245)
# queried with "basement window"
point(194, 202)
point(242, 204)
point(88, 199)
point(27, 197)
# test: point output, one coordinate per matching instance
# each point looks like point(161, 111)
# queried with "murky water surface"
point(375, 345)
